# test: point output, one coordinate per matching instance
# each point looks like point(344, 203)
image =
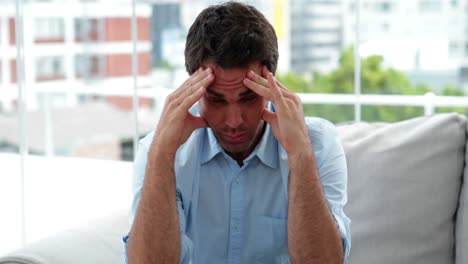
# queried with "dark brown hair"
point(231, 35)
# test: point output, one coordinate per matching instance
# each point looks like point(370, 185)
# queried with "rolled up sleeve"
point(333, 173)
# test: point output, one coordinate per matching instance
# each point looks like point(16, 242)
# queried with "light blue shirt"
point(231, 214)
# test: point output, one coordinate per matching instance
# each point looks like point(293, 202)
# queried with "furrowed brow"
point(213, 93)
point(246, 93)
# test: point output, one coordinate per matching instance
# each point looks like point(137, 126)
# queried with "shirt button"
point(236, 228)
point(336, 210)
point(237, 181)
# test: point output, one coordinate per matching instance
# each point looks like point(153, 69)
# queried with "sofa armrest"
point(98, 242)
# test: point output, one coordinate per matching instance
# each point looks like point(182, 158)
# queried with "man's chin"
point(235, 149)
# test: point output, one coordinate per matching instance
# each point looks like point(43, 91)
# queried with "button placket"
point(237, 214)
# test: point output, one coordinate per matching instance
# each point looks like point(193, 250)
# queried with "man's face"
point(233, 111)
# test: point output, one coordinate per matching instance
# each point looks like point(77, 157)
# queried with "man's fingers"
point(191, 99)
point(271, 119)
point(288, 94)
point(276, 94)
point(198, 85)
point(258, 88)
point(192, 81)
point(257, 78)
point(265, 72)
point(271, 90)
point(268, 116)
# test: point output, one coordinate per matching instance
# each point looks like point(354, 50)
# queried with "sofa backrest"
point(404, 182)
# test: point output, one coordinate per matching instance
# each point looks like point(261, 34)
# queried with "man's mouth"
point(234, 138)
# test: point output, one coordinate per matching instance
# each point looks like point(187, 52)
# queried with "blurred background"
point(71, 72)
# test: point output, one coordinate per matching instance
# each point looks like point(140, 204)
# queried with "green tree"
point(375, 79)
point(451, 90)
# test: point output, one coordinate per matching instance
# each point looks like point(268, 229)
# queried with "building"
point(427, 39)
point(167, 34)
point(70, 46)
point(316, 32)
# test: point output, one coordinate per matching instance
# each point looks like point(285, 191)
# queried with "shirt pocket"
point(271, 245)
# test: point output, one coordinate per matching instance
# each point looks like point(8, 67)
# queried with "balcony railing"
point(429, 100)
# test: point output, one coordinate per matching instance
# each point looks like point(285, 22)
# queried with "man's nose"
point(233, 116)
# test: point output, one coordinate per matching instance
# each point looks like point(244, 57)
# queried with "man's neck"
point(241, 156)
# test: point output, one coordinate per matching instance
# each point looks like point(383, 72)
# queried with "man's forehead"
point(221, 92)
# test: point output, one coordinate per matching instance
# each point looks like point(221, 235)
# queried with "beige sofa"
point(407, 200)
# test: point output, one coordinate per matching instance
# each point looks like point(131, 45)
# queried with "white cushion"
point(403, 187)
point(100, 242)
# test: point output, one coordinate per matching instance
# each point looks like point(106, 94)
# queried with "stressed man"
point(234, 172)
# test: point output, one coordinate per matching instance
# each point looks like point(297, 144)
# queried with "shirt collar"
point(211, 146)
point(266, 149)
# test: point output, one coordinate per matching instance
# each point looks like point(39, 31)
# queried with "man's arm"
point(313, 236)
point(155, 233)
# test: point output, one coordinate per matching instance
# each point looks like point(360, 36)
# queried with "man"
point(233, 172)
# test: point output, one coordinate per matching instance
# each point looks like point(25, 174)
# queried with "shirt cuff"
point(343, 224)
point(125, 239)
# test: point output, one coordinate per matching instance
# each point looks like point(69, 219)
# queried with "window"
point(384, 7)
point(48, 29)
point(89, 66)
point(89, 29)
point(430, 6)
point(454, 3)
point(385, 27)
point(453, 48)
point(49, 68)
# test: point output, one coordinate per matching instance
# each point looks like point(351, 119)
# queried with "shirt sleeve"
point(137, 185)
point(333, 173)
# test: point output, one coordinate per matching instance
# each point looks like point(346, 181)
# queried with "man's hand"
point(288, 121)
point(312, 233)
point(177, 123)
point(155, 234)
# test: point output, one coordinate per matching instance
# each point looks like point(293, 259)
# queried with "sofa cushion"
point(462, 217)
point(403, 188)
point(99, 242)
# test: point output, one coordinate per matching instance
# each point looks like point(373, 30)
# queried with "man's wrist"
point(160, 153)
point(304, 155)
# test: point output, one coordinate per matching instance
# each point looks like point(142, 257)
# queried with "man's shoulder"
point(319, 127)
point(146, 140)
point(322, 134)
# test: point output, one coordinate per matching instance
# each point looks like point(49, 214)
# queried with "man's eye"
point(249, 99)
point(215, 100)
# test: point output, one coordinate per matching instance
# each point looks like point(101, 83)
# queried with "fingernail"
point(208, 70)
